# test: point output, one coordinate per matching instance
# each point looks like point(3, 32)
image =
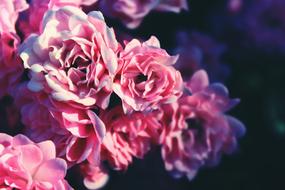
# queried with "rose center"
point(11, 42)
point(81, 64)
point(140, 78)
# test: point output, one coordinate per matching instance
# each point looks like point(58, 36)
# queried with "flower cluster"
point(87, 100)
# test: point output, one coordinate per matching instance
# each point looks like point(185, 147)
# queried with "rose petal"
point(51, 171)
point(31, 157)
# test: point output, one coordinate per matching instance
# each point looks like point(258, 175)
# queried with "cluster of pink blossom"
point(85, 99)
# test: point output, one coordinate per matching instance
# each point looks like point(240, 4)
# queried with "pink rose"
point(77, 133)
point(95, 177)
point(28, 165)
point(10, 65)
point(73, 59)
point(131, 13)
point(34, 15)
point(147, 78)
point(87, 132)
point(9, 12)
point(128, 136)
point(11, 68)
point(197, 132)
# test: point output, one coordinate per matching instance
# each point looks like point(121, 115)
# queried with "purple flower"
point(197, 131)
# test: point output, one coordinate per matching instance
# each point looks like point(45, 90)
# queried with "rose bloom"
point(32, 18)
point(147, 77)
point(10, 64)
point(73, 59)
point(28, 165)
point(131, 13)
point(128, 136)
point(76, 133)
point(95, 177)
point(197, 132)
point(11, 68)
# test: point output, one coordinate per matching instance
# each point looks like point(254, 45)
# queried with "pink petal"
point(198, 82)
point(51, 171)
point(31, 157)
point(97, 183)
point(21, 140)
point(98, 124)
point(48, 149)
point(79, 149)
point(5, 139)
